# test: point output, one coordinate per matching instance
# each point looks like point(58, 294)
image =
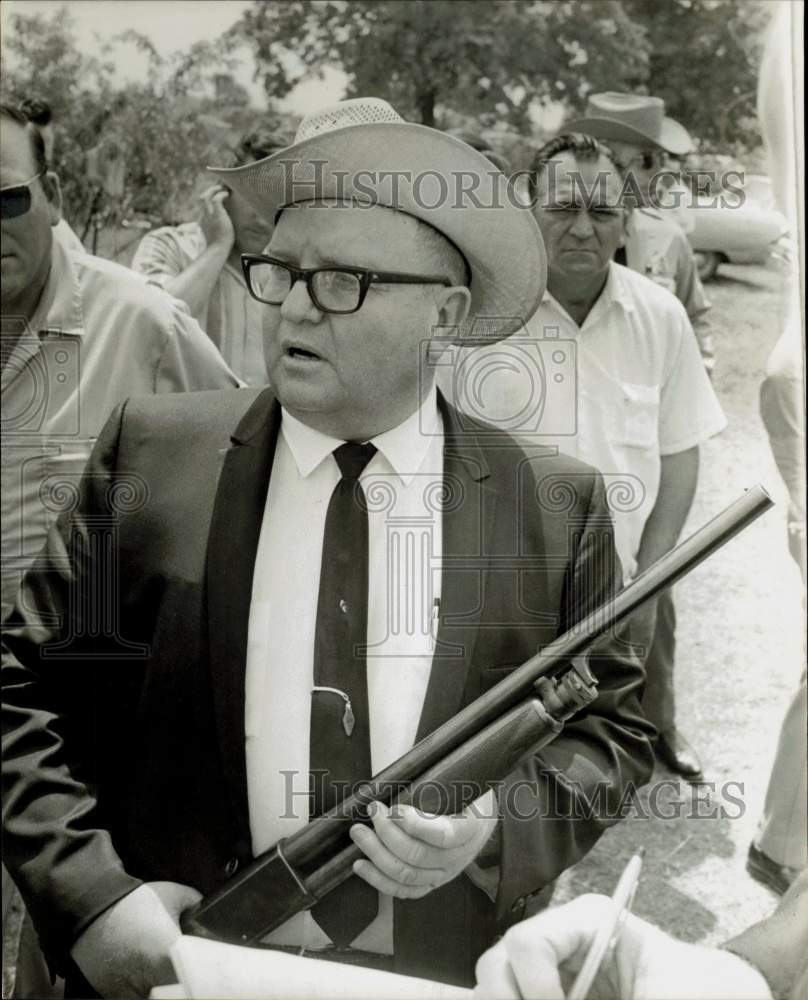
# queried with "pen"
point(608, 933)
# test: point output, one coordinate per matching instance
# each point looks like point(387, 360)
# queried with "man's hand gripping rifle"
point(448, 769)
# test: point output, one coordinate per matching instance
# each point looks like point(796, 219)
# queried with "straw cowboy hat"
point(364, 151)
point(632, 118)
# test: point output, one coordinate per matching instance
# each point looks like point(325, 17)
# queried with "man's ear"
point(453, 305)
point(53, 192)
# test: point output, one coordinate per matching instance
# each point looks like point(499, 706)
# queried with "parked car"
point(727, 229)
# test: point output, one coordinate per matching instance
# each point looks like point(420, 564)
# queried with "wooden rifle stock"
point(457, 762)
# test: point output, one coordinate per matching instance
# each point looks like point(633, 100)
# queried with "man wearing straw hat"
point(275, 640)
point(641, 135)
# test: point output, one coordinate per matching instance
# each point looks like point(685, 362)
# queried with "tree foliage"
point(704, 57)
point(424, 56)
point(433, 59)
point(136, 148)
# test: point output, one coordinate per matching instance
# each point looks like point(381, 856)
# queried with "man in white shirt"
point(294, 639)
point(611, 359)
point(200, 263)
point(642, 136)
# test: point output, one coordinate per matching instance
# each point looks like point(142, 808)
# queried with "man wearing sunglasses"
point(40, 114)
point(323, 573)
point(641, 135)
point(79, 335)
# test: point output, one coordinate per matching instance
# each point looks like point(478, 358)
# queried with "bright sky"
point(171, 25)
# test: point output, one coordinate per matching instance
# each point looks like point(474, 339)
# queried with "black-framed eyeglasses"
point(333, 289)
point(15, 200)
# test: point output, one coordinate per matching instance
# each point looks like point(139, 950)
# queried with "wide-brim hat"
point(632, 118)
point(362, 150)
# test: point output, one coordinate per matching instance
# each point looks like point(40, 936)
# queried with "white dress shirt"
point(401, 483)
point(620, 392)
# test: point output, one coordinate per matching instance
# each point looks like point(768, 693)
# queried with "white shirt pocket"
point(636, 421)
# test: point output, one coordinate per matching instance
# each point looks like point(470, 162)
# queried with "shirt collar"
point(615, 292)
point(59, 309)
point(404, 447)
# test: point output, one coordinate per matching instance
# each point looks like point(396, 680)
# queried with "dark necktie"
point(620, 256)
point(339, 739)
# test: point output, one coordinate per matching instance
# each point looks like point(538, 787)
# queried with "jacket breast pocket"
point(636, 421)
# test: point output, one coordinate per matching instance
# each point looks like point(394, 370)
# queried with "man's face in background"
point(252, 231)
point(579, 212)
point(643, 164)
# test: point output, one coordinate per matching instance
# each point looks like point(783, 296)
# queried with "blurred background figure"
point(675, 197)
point(780, 847)
point(200, 263)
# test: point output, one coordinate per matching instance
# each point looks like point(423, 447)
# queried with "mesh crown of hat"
point(360, 111)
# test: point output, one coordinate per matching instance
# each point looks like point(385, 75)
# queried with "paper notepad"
point(210, 970)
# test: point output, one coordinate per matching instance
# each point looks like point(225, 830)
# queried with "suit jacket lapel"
point(232, 544)
point(468, 518)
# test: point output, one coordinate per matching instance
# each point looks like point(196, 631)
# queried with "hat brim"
point(672, 137)
point(432, 176)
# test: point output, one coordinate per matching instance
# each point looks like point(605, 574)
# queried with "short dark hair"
point(15, 114)
point(584, 147)
point(37, 111)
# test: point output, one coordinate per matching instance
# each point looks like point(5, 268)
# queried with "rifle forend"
point(479, 745)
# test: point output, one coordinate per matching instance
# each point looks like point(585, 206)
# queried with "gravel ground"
point(738, 661)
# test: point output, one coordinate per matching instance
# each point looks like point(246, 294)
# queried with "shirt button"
point(231, 867)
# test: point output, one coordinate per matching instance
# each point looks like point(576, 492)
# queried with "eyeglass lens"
point(337, 290)
point(15, 201)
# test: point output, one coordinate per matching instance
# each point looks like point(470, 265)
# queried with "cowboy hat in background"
point(364, 152)
point(632, 118)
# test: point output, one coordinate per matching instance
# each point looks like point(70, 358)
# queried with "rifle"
point(452, 765)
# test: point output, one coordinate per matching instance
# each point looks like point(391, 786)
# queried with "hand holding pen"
point(544, 957)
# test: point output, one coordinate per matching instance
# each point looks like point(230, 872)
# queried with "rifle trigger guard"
point(580, 664)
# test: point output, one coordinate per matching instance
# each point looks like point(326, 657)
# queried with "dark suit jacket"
point(123, 715)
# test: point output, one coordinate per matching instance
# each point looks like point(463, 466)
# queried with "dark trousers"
point(658, 700)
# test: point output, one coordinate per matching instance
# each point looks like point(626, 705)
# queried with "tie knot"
point(353, 457)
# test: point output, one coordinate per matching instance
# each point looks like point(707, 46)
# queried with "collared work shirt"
point(232, 318)
point(621, 391)
point(99, 335)
point(658, 248)
point(401, 483)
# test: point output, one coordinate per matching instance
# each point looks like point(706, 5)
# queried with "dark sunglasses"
point(15, 200)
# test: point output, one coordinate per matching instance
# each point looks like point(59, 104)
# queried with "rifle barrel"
point(308, 842)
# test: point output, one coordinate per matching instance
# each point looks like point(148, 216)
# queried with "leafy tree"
point(437, 59)
point(487, 59)
point(137, 148)
point(704, 62)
